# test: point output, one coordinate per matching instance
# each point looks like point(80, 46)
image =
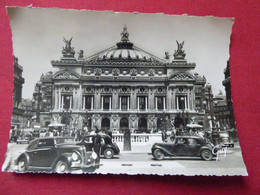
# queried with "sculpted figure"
point(68, 51)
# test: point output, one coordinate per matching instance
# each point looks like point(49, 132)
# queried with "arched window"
point(105, 124)
point(124, 125)
point(142, 125)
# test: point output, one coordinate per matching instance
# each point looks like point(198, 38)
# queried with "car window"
point(180, 141)
point(65, 141)
point(32, 145)
point(192, 141)
point(88, 139)
point(45, 143)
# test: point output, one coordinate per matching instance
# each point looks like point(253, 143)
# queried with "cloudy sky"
point(38, 38)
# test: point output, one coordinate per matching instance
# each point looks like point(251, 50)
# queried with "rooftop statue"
point(179, 54)
point(81, 54)
point(68, 51)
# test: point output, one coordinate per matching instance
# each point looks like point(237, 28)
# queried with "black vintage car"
point(193, 146)
point(108, 148)
point(56, 154)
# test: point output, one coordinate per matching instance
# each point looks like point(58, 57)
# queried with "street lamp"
point(38, 85)
point(215, 136)
point(183, 107)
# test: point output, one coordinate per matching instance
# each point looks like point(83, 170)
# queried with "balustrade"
point(137, 138)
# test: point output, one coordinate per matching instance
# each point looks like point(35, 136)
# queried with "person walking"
point(97, 143)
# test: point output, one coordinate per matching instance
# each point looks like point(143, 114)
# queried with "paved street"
point(137, 162)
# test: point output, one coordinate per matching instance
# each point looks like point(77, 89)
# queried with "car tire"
point(158, 154)
point(108, 153)
point(62, 167)
point(206, 155)
point(22, 165)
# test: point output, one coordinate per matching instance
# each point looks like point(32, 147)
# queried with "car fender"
point(23, 155)
point(65, 156)
point(106, 147)
point(205, 148)
point(162, 149)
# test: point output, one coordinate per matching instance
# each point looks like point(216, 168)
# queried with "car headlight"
point(75, 156)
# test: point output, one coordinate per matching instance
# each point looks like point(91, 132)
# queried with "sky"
point(37, 35)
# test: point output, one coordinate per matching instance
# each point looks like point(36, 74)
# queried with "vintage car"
point(56, 154)
point(24, 138)
point(192, 146)
point(108, 148)
point(225, 139)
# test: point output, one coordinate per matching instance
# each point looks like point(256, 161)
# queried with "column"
point(97, 99)
point(110, 102)
point(55, 98)
point(84, 102)
point(101, 102)
point(137, 103)
point(177, 99)
point(156, 107)
point(163, 103)
point(128, 102)
point(80, 97)
point(71, 102)
point(185, 102)
point(92, 102)
point(169, 97)
point(146, 102)
point(120, 103)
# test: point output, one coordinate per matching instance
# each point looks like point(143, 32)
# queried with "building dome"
point(124, 50)
point(124, 54)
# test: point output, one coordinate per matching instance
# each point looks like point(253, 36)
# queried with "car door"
point(30, 151)
point(45, 153)
point(193, 146)
point(180, 147)
point(88, 142)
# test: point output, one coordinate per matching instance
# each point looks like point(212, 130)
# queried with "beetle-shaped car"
point(56, 154)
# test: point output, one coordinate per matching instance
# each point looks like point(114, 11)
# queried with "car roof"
point(189, 136)
point(54, 137)
point(103, 136)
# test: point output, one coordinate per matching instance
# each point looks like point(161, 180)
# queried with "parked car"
point(225, 139)
point(56, 154)
point(108, 148)
point(185, 146)
point(24, 138)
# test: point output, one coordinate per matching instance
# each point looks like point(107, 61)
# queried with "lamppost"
point(209, 110)
point(38, 100)
point(67, 112)
point(183, 108)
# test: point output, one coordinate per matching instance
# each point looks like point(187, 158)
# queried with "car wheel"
point(206, 155)
point(108, 153)
point(62, 167)
point(22, 165)
point(158, 154)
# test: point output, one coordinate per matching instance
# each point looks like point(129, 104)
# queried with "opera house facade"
point(122, 87)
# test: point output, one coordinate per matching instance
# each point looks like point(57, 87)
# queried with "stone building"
point(227, 85)
point(122, 87)
point(17, 115)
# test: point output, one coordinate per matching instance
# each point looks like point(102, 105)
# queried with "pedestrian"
point(97, 143)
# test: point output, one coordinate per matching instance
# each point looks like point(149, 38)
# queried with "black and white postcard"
point(121, 93)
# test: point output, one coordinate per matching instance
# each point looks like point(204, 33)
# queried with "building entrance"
point(142, 125)
point(105, 124)
point(124, 125)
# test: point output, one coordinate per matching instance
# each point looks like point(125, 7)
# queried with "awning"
point(194, 126)
point(56, 124)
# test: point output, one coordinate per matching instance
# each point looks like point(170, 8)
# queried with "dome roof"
point(124, 51)
point(116, 53)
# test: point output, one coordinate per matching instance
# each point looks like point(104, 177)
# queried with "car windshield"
point(65, 141)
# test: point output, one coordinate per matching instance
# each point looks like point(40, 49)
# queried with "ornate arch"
point(182, 76)
point(66, 74)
